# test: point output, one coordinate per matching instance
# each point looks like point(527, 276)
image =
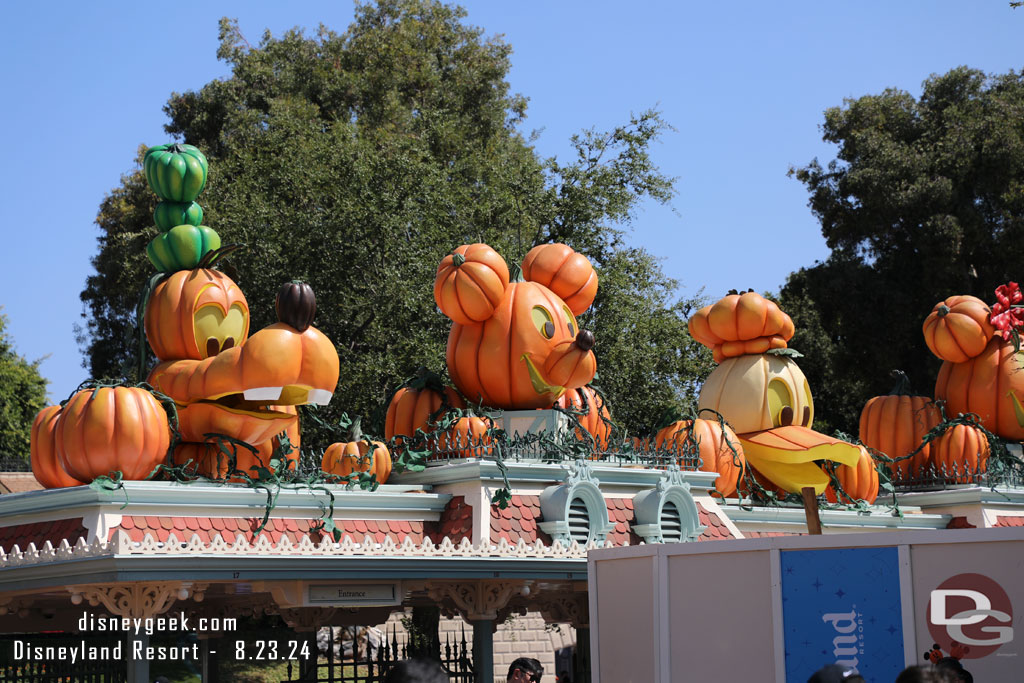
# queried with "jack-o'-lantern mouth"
point(540, 384)
point(267, 402)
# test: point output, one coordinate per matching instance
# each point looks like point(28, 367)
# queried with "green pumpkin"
point(170, 214)
point(182, 247)
point(176, 172)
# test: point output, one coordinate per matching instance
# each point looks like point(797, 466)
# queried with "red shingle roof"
point(208, 528)
point(772, 534)
point(1009, 521)
point(17, 482)
point(960, 523)
point(41, 532)
point(518, 521)
point(716, 528)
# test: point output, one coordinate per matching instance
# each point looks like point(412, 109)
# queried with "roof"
point(17, 482)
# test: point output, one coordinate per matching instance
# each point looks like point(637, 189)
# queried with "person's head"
point(417, 670)
point(525, 670)
point(954, 667)
point(925, 674)
point(834, 673)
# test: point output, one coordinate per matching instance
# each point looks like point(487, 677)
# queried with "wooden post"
point(483, 650)
point(811, 510)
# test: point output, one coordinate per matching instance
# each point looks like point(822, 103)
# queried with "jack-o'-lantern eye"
point(543, 321)
point(216, 332)
point(573, 327)
point(780, 403)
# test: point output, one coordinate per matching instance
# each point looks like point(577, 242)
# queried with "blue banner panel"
point(842, 606)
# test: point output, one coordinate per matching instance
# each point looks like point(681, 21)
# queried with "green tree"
point(356, 161)
point(924, 200)
point(22, 396)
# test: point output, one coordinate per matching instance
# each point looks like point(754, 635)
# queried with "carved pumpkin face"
point(195, 314)
point(525, 355)
point(756, 392)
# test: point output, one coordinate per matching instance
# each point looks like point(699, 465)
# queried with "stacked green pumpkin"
point(177, 174)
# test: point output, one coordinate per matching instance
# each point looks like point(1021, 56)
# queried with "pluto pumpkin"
point(525, 354)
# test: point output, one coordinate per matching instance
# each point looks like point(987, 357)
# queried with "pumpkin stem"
point(356, 431)
point(902, 387)
point(515, 273)
point(458, 259)
point(942, 311)
point(176, 148)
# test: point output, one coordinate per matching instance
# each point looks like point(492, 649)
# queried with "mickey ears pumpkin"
point(470, 283)
point(565, 272)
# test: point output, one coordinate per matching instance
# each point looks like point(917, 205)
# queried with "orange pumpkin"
point(470, 283)
point(524, 356)
point(411, 408)
point(982, 386)
point(595, 418)
point(195, 314)
point(565, 272)
point(713, 444)
point(958, 328)
point(859, 483)
point(43, 453)
point(467, 438)
point(896, 425)
point(960, 453)
point(342, 459)
point(209, 461)
point(741, 324)
point(112, 429)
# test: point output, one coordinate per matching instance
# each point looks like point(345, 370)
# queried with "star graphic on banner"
point(840, 593)
point(817, 583)
point(892, 630)
point(806, 642)
point(872, 620)
point(789, 570)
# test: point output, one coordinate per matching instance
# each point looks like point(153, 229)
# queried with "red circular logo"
point(970, 616)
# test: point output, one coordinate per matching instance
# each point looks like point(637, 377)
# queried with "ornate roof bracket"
point(476, 600)
point(138, 600)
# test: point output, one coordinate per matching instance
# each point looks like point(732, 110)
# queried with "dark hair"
point(834, 673)
point(921, 674)
point(527, 666)
point(417, 670)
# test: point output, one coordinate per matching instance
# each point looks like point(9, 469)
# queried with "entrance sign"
point(842, 606)
point(353, 594)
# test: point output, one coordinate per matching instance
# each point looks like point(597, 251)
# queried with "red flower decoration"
point(1005, 317)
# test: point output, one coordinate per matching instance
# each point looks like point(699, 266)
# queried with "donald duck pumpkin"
point(761, 392)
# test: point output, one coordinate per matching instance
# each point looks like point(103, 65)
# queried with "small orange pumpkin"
point(713, 442)
point(209, 461)
point(467, 438)
point(896, 425)
point(342, 459)
point(958, 328)
point(859, 483)
point(470, 283)
point(194, 314)
point(596, 418)
point(565, 272)
point(43, 453)
point(961, 452)
point(413, 405)
point(112, 429)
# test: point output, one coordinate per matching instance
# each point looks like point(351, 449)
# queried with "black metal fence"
point(958, 475)
point(35, 658)
point(359, 660)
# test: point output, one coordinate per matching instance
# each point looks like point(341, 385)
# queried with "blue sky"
point(744, 84)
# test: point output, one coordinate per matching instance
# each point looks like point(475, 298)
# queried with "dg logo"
point(970, 610)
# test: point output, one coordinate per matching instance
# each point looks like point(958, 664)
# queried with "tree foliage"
point(924, 200)
point(356, 161)
point(22, 396)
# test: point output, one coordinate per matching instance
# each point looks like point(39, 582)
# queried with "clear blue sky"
point(744, 84)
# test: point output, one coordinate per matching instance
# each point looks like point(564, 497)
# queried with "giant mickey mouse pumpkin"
point(516, 345)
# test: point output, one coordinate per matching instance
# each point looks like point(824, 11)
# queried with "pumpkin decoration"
point(342, 459)
point(566, 273)
point(295, 305)
point(470, 283)
point(896, 425)
point(741, 324)
point(960, 453)
point(170, 214)
point(713, 441)
point(467, 438)
point(195, 314)
point(43, 452)
point(756, 392)
point(111, 429)
point(414, 405)
point(859, 482)
point(594, 416)
point(958, 328)
point(209, 461)
point(982, 385)
point(525, 356)
point(176, 172)
point(182, 247)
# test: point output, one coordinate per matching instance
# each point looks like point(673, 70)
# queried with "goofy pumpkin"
point(516, 345)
